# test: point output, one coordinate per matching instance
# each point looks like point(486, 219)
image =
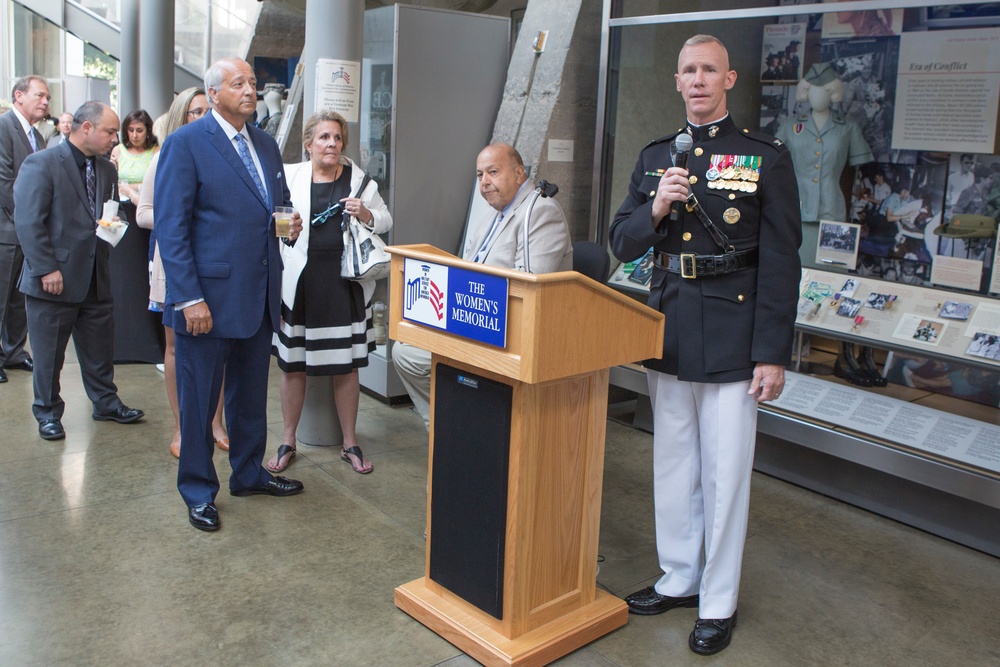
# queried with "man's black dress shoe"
point(279, 486)
point(3, 376)
point(711, 635)
point(648, 602)
point(26, 365)
point(51, 429)
point(122, 414)
point(204, 516)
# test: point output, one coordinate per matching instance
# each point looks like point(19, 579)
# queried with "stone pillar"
point(333, 30)
point(553, 95)
point(156, 59)
point(128, 66)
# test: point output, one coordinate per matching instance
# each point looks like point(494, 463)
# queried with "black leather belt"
point(689, 265)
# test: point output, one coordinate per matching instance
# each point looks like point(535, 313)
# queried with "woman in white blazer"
point(326, 321)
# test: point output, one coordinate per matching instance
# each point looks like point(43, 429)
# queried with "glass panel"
point(633, 8)
point(190, 20)
point(232, 26)
point(376, 106)
point(99, 65)
point(36, 46)
point(106, 9)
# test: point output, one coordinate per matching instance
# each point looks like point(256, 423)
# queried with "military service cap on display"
point(821, 74)
point(968, 226)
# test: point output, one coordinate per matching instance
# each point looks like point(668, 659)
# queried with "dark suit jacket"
point(215, 231)
point(14, 147)
point(56, 226)
point(719, 328)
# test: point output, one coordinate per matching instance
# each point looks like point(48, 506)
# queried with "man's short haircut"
point(92, 112)
point(22, 84)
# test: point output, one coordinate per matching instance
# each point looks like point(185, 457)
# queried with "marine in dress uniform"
point(730, 313)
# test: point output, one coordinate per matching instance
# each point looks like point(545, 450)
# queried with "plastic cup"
point(283, 221)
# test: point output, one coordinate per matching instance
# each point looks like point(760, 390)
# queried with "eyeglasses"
point(332, 210)
point(197, 113)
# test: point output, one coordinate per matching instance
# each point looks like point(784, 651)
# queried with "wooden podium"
point(516, 468)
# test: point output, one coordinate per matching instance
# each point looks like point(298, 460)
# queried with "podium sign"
point(466, 303)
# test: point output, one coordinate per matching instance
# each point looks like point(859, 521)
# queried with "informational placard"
point(947, 91)
point(338, 87)
point(933, 431)
point(466, 303)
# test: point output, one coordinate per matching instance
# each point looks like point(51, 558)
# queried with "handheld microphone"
point(682, 144)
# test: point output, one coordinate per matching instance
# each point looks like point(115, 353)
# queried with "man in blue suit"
point(217, 184)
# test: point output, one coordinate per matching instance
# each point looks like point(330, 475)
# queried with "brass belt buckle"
point(689, 267)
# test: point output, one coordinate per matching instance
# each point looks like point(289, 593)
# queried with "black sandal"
point(282, 452)
point(356, 451)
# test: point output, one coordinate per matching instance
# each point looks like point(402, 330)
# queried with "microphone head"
point(683, 142)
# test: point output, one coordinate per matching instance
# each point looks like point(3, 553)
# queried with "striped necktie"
point(92, 186)
point(244, 151)
point(31, 140)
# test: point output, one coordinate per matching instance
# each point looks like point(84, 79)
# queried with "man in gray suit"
point(497, 240)
point(58, 197)
point(18, 140)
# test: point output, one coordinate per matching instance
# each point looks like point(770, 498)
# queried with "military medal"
point(731, 216)
point(713, 172)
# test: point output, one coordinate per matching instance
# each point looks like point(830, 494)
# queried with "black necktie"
point(92, 186)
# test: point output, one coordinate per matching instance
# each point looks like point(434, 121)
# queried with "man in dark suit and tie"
point(217, 184)
point(18, 140)
point(58, 196)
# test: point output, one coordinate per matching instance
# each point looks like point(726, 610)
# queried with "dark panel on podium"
point(469, 502)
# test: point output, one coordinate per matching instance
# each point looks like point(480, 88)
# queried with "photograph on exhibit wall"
point(868, 70)
point(972, 209)
point(774, 107)
point(872, 23)
point(781, 59)
point(898, 207)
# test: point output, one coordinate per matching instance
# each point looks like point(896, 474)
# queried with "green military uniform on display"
point(730, 315)
point(819, 156)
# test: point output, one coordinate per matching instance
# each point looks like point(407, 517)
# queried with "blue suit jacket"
point(215, 230)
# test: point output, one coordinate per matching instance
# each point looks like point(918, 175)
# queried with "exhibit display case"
point(433, 83)
point(890, 112)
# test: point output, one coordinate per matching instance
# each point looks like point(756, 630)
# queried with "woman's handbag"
point(364, 257)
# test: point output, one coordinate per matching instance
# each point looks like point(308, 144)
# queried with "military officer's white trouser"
point(703, 444)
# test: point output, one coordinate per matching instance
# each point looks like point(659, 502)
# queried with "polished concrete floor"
point(98, 565)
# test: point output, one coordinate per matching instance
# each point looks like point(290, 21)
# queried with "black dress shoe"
point(711, 635)
point(26, 365)
point(204, 516)
point(122, 414)
point(3, 376)
point(279, 486)
point(648, 602)
point(51, 429)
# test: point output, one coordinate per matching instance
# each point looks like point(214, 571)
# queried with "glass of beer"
point(283, 221)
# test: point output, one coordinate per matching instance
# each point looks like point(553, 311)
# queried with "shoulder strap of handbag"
point(364, 184)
